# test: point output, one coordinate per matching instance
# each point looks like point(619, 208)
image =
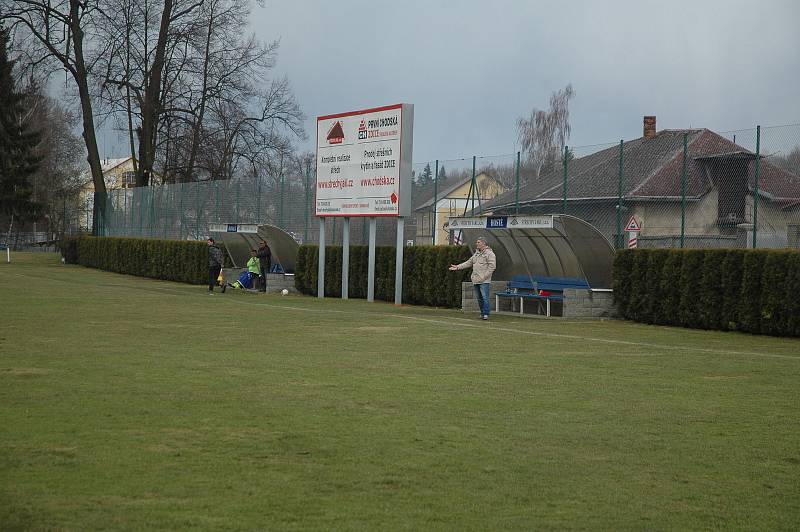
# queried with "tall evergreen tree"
point(426, 177)
point(18, 142)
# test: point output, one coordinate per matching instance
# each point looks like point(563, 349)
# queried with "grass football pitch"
point(130, 403)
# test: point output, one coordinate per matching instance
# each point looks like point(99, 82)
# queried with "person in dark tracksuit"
point(214, 265)
point(264, 255)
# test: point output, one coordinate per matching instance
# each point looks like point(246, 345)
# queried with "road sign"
point(633, 225)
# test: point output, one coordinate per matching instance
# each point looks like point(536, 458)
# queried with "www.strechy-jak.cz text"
point(335, 183)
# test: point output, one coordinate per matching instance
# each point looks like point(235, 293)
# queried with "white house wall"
point(664, 218)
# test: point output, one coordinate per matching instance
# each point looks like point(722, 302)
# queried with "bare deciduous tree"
point(61, 174)
point(144, 70)
point(543, 134)
point(59, 28)
point(789, 162)
point(210, 107)
point(257, 123)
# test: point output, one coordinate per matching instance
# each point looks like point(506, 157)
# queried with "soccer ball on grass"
point(285, 292)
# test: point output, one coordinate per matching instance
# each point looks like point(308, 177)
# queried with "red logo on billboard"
point(336, 134)
point(394, 197)
point(362, 130)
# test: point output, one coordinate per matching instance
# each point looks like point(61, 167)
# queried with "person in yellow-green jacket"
point(253, 264)
point(253, 268)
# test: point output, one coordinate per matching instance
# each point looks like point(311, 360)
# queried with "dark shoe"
point(224, 287)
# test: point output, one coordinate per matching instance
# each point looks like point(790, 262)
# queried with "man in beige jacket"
point(483, 264)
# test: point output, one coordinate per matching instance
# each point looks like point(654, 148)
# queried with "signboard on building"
point(233, 228)
point(467, 223)
point(364, 162)
point(502, 222)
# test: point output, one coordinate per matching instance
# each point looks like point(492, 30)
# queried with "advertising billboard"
point(364, 162)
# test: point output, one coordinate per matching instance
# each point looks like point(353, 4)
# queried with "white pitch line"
point(609, 341)
point(458, 322)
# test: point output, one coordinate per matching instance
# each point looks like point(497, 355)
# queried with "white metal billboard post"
point(321, 265)
point(398, 263)
point(371, 262)
point(345, 257)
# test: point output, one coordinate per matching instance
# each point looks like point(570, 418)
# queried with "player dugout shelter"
point(283, 247)
point(570, 248)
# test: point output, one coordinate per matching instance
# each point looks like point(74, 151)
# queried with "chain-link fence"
point(689, 188)
point(684, 188)
point(186, 210)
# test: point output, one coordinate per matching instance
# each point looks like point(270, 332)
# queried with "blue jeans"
point(482, 295)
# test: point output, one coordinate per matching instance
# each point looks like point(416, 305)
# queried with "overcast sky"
point(471, 68)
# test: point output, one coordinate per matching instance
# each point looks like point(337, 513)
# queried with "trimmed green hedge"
point(426, 280)
point(171, 260)
point(755, 291)
point(69, 249)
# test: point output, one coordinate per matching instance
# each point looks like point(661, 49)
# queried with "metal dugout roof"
point(572, 248)
point(281, 244)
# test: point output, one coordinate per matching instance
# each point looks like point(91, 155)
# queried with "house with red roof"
point(716, 200)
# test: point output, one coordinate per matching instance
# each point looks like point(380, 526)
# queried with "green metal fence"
point(685, 188)
point(186, 210)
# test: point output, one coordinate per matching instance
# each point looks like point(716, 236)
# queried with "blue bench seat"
point(541, 289)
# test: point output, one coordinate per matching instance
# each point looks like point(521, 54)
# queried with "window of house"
point(424, 224)
point(128, 178)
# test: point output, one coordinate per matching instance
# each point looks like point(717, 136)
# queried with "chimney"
point(649, 127)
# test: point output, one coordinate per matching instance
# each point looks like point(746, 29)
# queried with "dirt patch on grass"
point(380, 329)
point(24, 372)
